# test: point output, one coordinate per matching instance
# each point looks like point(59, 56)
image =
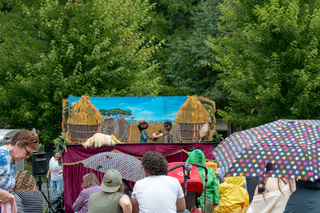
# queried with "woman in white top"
point(56, 169)
point(274, 200)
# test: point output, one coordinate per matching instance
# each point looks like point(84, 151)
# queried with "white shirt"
point(54, 169)
point(157, 194)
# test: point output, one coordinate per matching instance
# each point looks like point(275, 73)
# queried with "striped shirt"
point(29, 201)
point(7, 167)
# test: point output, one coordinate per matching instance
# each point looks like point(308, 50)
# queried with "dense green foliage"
point(50, 50)
point(268, 61)
point(185, 65)
point(257, 59)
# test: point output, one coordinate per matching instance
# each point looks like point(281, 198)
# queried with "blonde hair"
point(89, 179)
point(25, 182)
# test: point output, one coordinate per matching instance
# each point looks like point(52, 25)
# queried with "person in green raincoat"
point(197, 156)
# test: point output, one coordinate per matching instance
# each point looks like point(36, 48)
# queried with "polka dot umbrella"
point(283, 148)
point(129, 167)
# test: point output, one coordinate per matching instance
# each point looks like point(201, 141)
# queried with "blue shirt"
point(7, 168)
point(143, 136)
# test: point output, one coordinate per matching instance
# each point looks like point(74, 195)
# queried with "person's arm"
point(215, 184)
point(181, 204)
point(18, 200)
point(5, 196)
point(152, 138)
point(77, 205)
point(125, 204)
point(146, 136)
point(135, 205)
point(48, 173)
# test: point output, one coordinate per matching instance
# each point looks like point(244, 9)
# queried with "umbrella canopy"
point(129, 166)
point(284, 148)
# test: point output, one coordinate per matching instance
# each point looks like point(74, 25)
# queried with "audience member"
point(22, 145)
point(197, 156)
point(233, 196)
point(90, 185)
point(111, 199)
point(157, 192)
point(305, 199)
point(278, 191)
point(27, 196)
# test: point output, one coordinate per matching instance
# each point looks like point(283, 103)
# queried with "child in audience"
point(28, 198)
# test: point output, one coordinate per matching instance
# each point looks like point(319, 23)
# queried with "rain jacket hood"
point(197, 156)
point(234, 197)
point(237, 180)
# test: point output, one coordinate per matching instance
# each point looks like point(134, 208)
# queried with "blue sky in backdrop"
point(153, 109)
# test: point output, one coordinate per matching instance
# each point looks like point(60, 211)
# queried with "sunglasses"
point(28, 153)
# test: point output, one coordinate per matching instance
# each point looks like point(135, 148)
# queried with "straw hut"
point(190, 118)
point(85, 120)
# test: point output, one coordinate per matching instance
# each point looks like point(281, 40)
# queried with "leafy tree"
point(268, 62)
point(51, 49)
point(170, 20)
point(185, 65)
point(6, 5)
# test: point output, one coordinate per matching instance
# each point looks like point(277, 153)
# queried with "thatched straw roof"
point(192, 111)
point(85, 113)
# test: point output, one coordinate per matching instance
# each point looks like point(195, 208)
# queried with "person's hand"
point(154, 139)
point(5, 196)
point(48, 176)
point(60, 172)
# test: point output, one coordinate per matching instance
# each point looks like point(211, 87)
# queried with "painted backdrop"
point(119, 116)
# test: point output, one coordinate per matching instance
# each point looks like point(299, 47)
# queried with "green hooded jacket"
point(197, 156)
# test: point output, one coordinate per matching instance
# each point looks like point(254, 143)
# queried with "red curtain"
point(73, 169)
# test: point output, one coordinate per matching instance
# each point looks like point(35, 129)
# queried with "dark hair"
point(168, 123)
point(140, 126)
point(25, 138)
point(154, 163)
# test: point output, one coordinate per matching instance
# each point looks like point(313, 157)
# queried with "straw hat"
point(143, 121)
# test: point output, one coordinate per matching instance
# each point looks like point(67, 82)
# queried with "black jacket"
point(306, 199)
